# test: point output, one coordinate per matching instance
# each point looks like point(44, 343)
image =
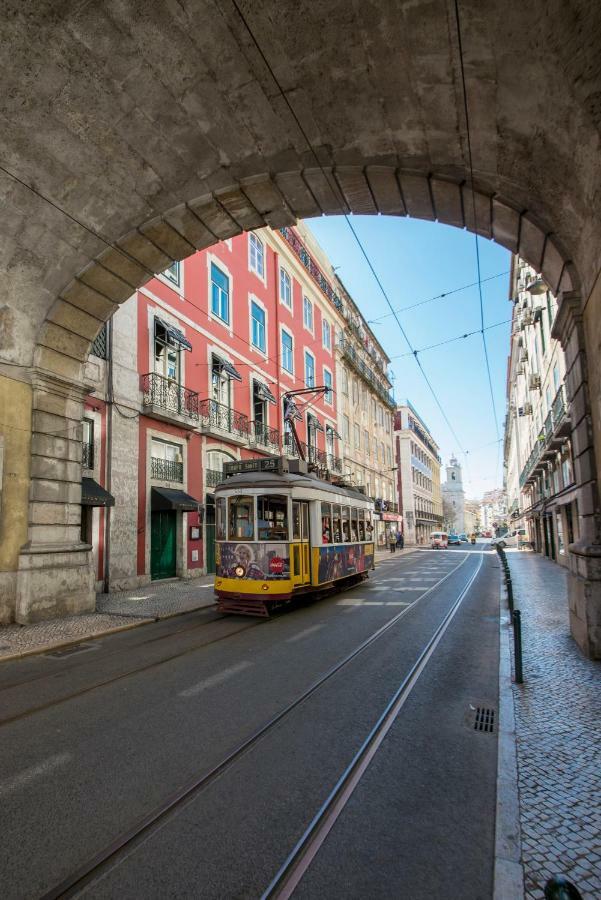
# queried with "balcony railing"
point(312, 454)
point(556, 423)
point(219, 417)
point(213, 477)
point(164, 394)
point(367, 373)
point(385, 505)
point(166, 469)
point(87, 455)
point(264, 436)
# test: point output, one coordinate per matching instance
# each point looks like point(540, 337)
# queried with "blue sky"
point(416, 260)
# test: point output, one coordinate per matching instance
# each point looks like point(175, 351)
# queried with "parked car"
point(516, 538)
point(464, 538)
point(454, 539)
point(439, 540)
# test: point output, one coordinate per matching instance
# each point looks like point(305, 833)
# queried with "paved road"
point(93, 742)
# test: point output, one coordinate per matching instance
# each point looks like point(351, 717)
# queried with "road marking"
point(24, 778)
point(212, 680)
point(415, 587)
point(303, 634)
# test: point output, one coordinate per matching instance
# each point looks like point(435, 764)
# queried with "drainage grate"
point(484, 718)
point(69, 651)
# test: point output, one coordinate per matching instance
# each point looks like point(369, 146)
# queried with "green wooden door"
point(162, 544)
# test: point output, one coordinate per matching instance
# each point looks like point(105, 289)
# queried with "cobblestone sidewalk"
point(558, 725)
point(114, 612)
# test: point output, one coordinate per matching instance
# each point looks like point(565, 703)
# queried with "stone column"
point(55, 575)
point(584, 579)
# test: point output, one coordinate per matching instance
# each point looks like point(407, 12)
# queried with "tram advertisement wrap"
point(341, 560)
point(259, 562)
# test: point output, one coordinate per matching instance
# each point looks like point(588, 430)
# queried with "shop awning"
point(264, 392)
point(228, 368)
point(166, 498)
point(174, 335)
point(314, 421)
point(92, 494)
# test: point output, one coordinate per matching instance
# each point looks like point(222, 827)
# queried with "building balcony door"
point(162, 544)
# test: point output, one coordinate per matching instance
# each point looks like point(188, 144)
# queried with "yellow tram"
point(280, 533)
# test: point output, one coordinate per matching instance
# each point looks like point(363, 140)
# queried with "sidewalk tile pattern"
point(45, 635)
point(160, 599)
point(558, 725)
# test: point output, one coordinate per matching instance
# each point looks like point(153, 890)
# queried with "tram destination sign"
point(277, 464)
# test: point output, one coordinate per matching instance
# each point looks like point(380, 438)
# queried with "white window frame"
point(307, 352)
point(229, 326)
point(289, 306)
point(328, 400)
point(356, 436)
point(251, 268)
point(312, 305)
point(284, 330)
point(346, 429)
point(179, 287)
point(252, 346)
point(326, 324)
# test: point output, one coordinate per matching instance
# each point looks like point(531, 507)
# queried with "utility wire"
point(459, 337)
point(470, 160)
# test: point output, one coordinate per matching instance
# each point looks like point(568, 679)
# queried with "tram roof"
point(259, 480)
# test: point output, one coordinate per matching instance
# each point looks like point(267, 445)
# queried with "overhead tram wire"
point(471, 165)
point(453, 340)
point(339, 198)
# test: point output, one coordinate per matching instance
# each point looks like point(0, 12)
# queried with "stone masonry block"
point(483, 204)
point(587, 501)
point(124, 266)
point(84, 297)
point(578, 404)
point(267, 199)
point(167, 238)
point(215, 217)
point(552, 265)
point(196, 233)
point(65, 342)
point(297, 195)
point(75, 320)
point(49, 424)
point(568, 279)
point(47, 491)
point(53, 534)
point(326, 191)
point(240, 208)
point(505, 225)
point(48, 587)
point(584, 466)
point(447, 202)
point(70, 408)
point(105, 282)
point(355, 187)
point(148, 255)
point(532, 242)
point(55, 469)
point(55, 514)
point(55, 447)
point(386, 191)
point(416, 191)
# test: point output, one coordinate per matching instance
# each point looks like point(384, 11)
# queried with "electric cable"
point(459, 337)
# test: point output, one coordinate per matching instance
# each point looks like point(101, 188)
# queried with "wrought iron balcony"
point(213, 477)
point(166, 469)
point(266, 437)
point(87, 455)
point(168, 400)
point(364, 371)
point(217, 418)
point(385, 505)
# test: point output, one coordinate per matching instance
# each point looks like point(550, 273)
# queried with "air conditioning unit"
point(534, 382)
point(527, 317)
point(524, 355)
point(519, 370)
point(525, 410)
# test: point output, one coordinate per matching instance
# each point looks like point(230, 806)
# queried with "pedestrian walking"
point(392, 542)
point(400, 540)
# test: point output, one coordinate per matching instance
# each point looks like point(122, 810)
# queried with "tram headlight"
point(239, 571)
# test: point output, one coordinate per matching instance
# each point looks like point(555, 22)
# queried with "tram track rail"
point(128, 840)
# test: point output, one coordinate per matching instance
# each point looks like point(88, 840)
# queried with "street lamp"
point(536, 287)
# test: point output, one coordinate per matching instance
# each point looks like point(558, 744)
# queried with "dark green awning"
point(167, 498)
point(92, 494)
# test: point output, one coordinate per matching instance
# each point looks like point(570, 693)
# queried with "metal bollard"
point(559, 888)
point(509, 586)
point(517, 645)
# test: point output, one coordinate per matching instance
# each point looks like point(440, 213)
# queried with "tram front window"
point(326, 523)
point(220, 518)
point(241, 518)
point(272, 518)
point(337, 525)
point(346, 528)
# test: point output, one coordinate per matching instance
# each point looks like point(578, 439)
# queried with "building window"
point(366, 441)
point(285, 288)
point(87, 446)
point(166, 356)
point(220, 382)
point(326, 331)
point(345, 382)
point(256, 255)
point(166, 461)
point(287, 352)
point(345, 429)
point(357, 437)
point(389, 456)
point(172, 274)
point(220, 294)
point(355, 391)
point(327, 380)
point(259, 405)
point(308, 314)
point(309, 369)
point(257, 316)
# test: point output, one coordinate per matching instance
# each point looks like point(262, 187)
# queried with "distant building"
point(493, 511)
point(418, 475)
point(472, 517)
point(453, 499)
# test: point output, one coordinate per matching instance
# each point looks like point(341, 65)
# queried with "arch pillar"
point(55, 575)
point(584, 578)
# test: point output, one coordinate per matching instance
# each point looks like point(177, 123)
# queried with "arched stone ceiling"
point(158, 128)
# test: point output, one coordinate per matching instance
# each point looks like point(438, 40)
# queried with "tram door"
point(300, 548)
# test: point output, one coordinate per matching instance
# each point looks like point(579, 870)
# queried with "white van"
point(439, 540)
